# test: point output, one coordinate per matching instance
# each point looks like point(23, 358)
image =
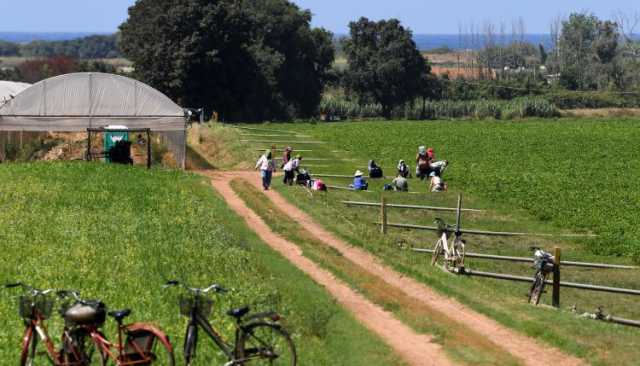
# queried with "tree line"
point(91, 47)
point(257, 60)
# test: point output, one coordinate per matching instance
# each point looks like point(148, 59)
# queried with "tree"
point(588, 49)
point(245, 59)
point(384, 63)
point(32, 71)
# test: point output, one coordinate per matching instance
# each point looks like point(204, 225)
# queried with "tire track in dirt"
point(528, 350)
point(416, 349)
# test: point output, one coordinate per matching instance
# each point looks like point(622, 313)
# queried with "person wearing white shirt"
point(267, 167)
point(289, 168)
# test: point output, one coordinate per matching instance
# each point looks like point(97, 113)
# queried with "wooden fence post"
point(383, 215)
point(556, 278)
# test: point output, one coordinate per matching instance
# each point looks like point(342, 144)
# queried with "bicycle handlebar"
point(32, 290)
point(214, 287)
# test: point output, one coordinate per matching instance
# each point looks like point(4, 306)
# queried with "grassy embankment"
point(535, 176)
point(117, 233)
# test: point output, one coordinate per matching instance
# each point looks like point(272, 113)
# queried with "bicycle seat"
point(239, 312)
point(85, 314)
point(118, 315)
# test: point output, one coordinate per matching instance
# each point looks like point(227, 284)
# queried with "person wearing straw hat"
point(359, 183)
point(289, 168)
point(267, 167)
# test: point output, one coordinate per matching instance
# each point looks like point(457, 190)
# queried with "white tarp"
point(75, 102)
point(9, 89)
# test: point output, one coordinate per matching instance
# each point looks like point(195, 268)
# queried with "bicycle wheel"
point(536, 289)
point(80, 350)
point(265, 344)
point(190, 343)
point(436, 252)
point(144, 347)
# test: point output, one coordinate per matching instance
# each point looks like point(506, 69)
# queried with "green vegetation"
point(118, 232)
point(385, 66)
point(335, 107)
point(531, 175)
point(91, 47)
point(576, 174)
point(263, 60)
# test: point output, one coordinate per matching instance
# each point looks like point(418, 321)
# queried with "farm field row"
point(117, 233)
point(490, 162)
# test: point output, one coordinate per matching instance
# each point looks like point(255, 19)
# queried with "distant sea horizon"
point(424, 42)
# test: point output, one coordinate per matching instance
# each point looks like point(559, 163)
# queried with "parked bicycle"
point(544, 263)
point(259, 338)
point(137, 344)
point(452, 251)
point(83, 344)
point(35, 307)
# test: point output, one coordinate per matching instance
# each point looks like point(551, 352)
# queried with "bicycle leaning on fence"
point(259, 338)
point(544, 264)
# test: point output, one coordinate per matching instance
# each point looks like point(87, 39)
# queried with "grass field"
point(532, 175)
point(117, 233)
point(581, 175)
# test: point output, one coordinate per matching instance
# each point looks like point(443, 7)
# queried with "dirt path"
point(528, 350)
point(414, 348)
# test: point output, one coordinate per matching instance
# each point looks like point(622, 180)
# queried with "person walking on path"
point(289, 168)
point(267, 167)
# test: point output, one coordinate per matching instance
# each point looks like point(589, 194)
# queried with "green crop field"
point(545, 176)
point(581, 175)
point(116, 233)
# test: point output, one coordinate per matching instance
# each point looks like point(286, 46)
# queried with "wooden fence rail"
point(581, 286)
point(530, 260)
point(416, 207)
point(487, 233)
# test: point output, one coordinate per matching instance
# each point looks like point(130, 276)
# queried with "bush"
point(578, 100)
point(335, 108)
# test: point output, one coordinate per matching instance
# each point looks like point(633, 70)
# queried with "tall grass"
point(338, 108)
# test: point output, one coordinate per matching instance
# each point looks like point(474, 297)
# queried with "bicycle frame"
point(199, 321)
point(37, 328)
point(453, 251)
point(116, 351)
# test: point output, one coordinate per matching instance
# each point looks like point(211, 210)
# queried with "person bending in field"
point(400, 184)
point(359, 184)
point(286, 156)
point(403, 169)
point(374, 170)
point(437, 184)
point(436, 167)
point(267, 167)
point(422, 163)
point(291, 167)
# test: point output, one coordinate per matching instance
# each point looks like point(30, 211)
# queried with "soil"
point(409, 345)
point(414, 348)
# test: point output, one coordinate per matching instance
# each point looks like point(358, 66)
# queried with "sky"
point(422, 16)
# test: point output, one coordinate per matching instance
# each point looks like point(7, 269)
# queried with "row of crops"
point(578, 174)
point(338, 108)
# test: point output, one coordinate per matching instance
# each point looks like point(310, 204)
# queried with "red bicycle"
point(35, 307)
point(83, 344)
point(138, 343)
